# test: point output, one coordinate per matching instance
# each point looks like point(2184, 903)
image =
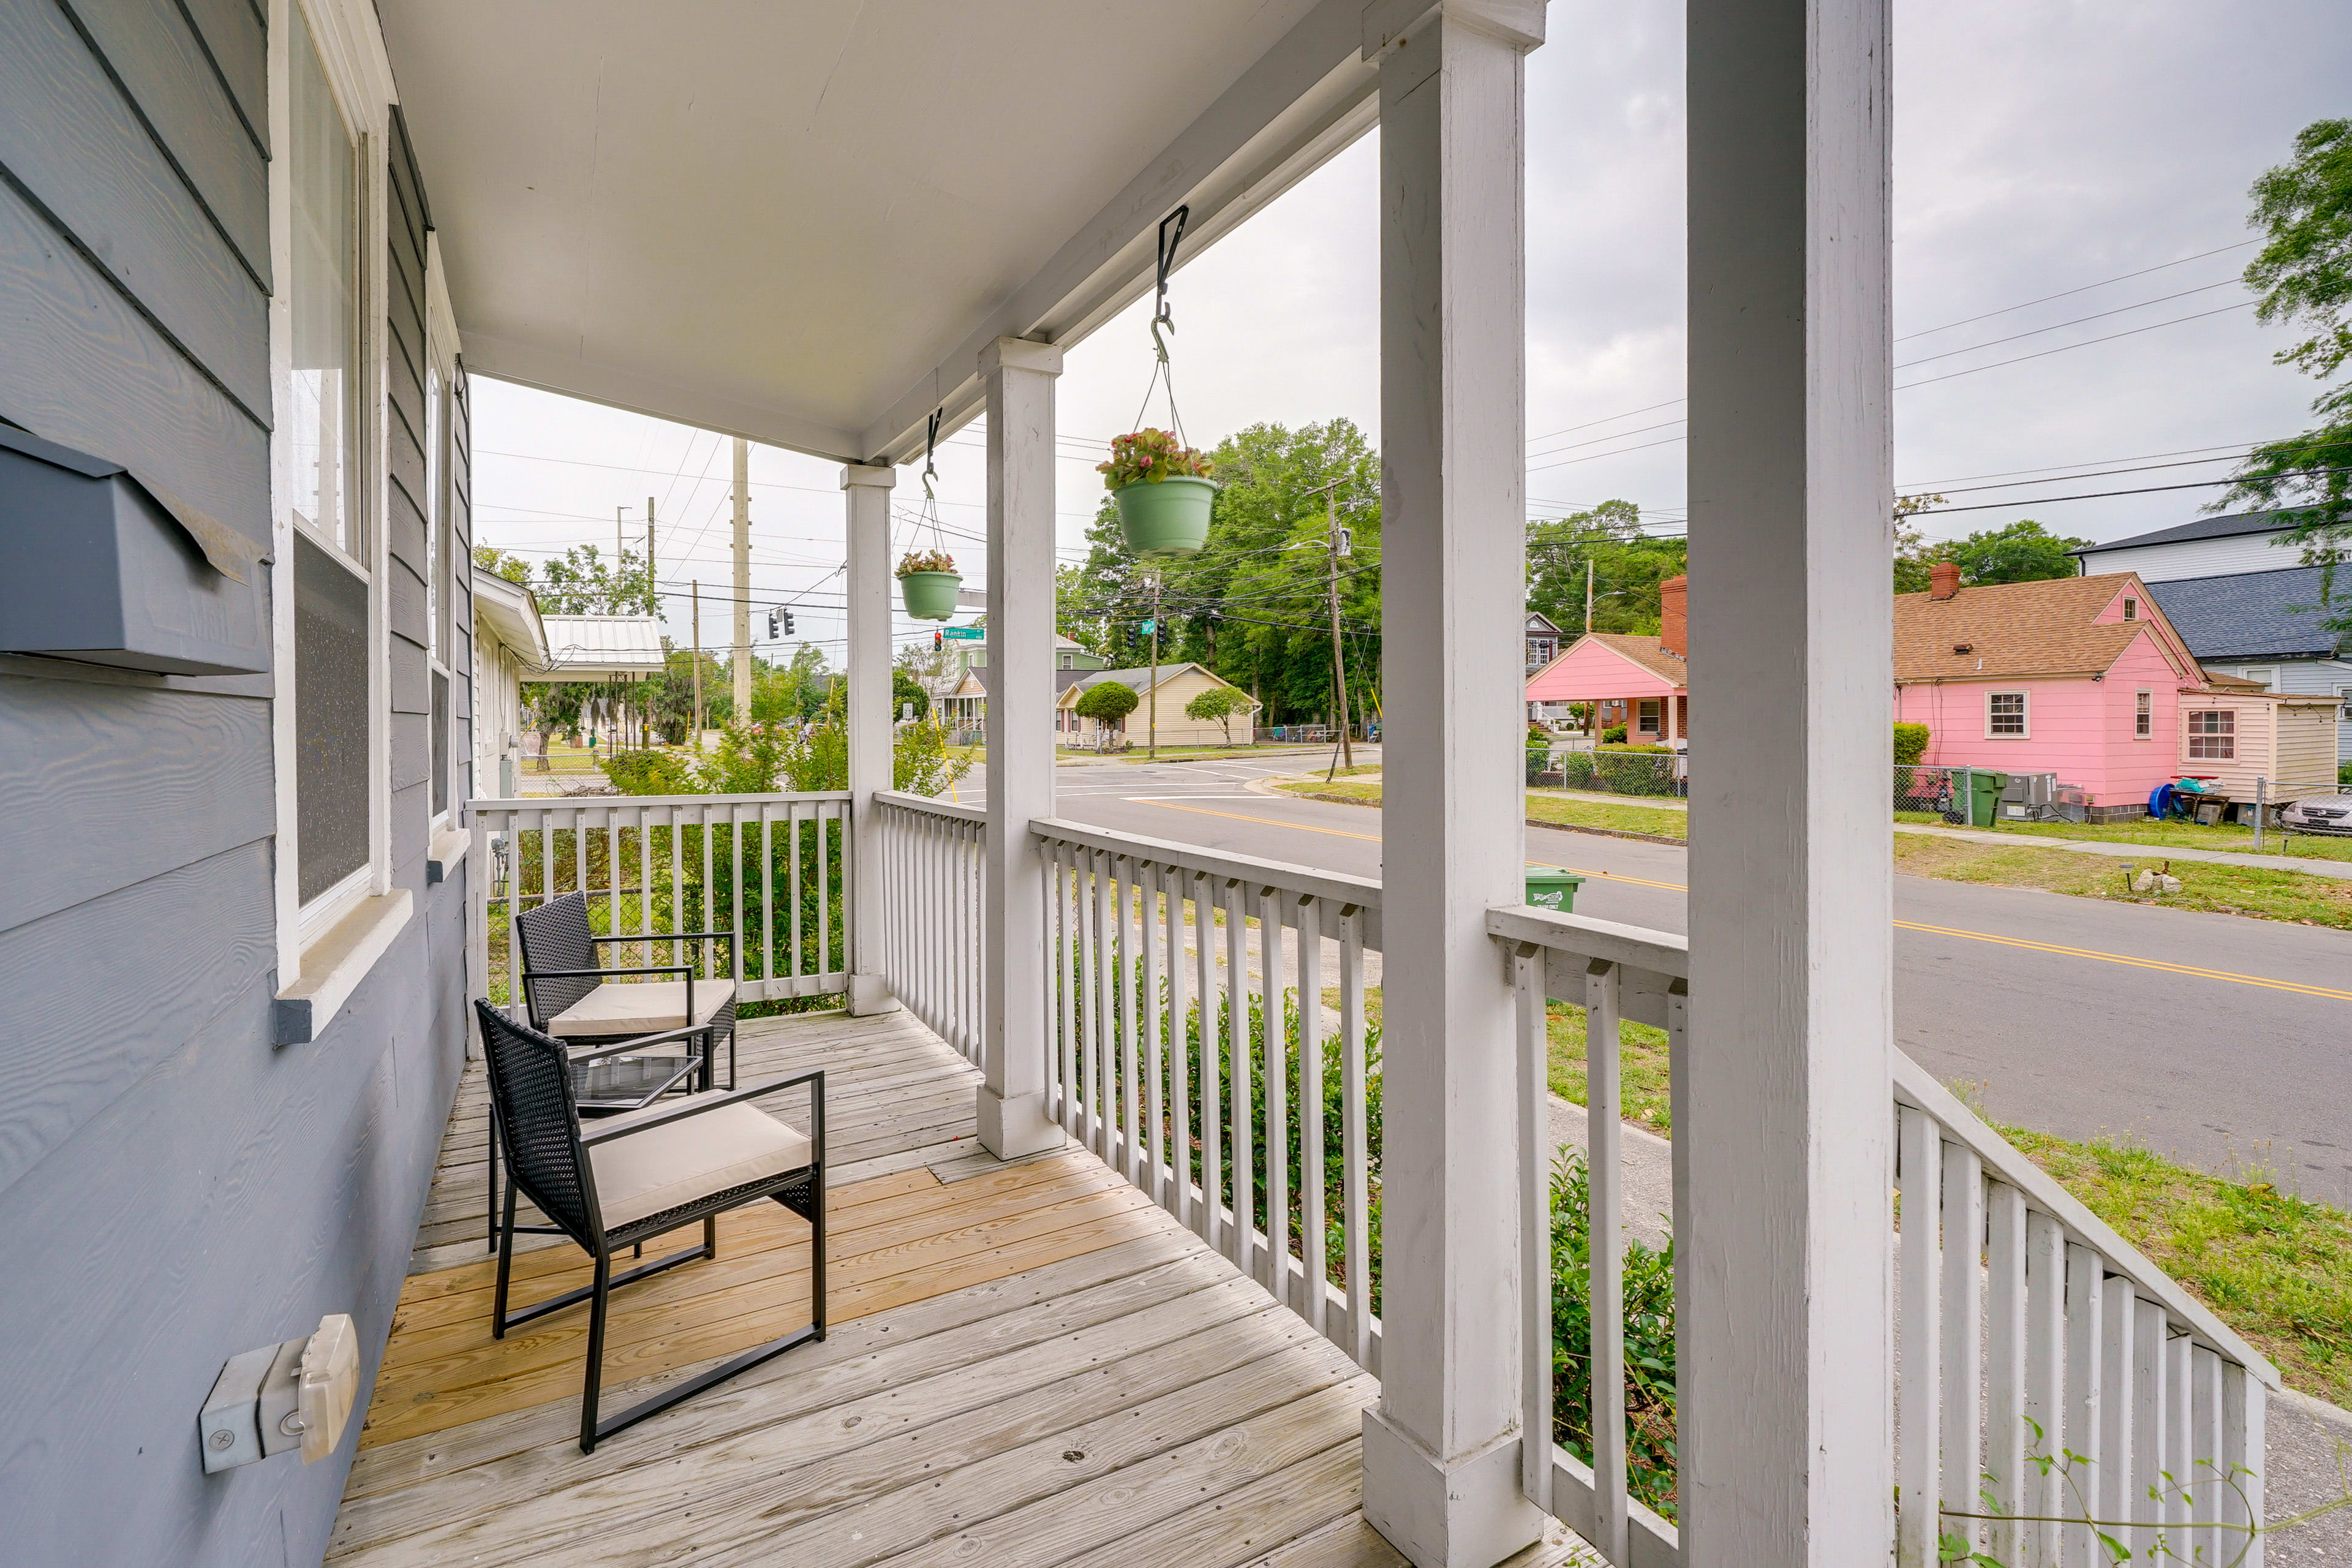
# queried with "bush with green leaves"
point(1613, 736)
point(1649, 1397)
point(1107, 702)
point(1910, 744)
point(1634, 770)
point(1576, 770)
point(1217, 705)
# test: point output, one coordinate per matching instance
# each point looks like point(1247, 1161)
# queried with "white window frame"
point(2190, 734)
point(2131, 606)
point(2024, 731)
point(351, 50)
point(2265, 673)
point(2144, 714)
point(1649, 717)
point(441, 361)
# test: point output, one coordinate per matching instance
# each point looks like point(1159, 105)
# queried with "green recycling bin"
point(1549, 888)
point(1984, 796)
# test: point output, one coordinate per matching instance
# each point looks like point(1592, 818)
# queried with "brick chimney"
point(1674, 617)
point(1944, 579)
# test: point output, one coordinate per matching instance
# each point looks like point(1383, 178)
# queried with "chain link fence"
point(1931, 794)
point(1610, 770)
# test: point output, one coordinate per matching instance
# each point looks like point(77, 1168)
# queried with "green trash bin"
point(1984, 796)
point(1549, 888)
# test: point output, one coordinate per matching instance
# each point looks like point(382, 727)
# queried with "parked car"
point(2320, 813)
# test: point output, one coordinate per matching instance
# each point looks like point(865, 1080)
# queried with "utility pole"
point(743, 580)
point(619, 547)
point(1588, 596)
point(698, 664)
point(1338, 649)
point(1152, 722)
point(652, 598)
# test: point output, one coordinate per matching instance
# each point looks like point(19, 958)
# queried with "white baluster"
point(2084, 1313)
point(2005, 1437)
point(1606, 1174)
point(1534, 1220)
point(1962, 1395)
point(1311, 1210)
point(1919, 1417)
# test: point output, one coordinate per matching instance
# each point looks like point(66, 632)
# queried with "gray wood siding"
point(175, 1188)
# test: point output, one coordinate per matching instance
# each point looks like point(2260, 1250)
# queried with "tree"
point(1219, 703)
point(1912, 554)
point(2303, 273)
point(1107, 702)
point(503, 564)
point(581, 584)
point(1626, 566)
point(2024, 552)
point(904, 690)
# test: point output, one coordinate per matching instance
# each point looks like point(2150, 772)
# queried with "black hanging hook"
point(931, 443)
point(1169, 241)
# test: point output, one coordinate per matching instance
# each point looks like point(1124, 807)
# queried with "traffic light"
point(938, 641)
point(772, 633)
point(780, 623)
point(788, 623)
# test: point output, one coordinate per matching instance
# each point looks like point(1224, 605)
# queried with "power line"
point(2146, 489)
point(2086, 343)
point(2058, 326)
point(2080, 288)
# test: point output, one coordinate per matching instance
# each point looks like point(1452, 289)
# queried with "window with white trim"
point(1648, 716)
point(2005, 713)
point(2212, 735)
point(2143, 715)
point(2131, 609)
point(332, 560)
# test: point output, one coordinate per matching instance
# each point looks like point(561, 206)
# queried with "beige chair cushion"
point(643, 1007)
point(666, 1167)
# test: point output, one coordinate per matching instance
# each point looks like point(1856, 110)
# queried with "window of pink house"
point(2212, 735)
point(2143, 715)
point(2005, 713)
point(2131, 609)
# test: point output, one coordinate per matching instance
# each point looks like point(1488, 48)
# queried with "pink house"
point(2080, 677)
point(1640, 682)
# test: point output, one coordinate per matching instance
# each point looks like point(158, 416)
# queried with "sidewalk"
point(2143, 854)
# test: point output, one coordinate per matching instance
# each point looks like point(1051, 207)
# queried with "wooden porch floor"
point(1028, 1363)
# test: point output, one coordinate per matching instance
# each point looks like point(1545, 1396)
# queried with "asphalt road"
point(2220, 1041)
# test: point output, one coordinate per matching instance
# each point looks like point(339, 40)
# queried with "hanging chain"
point(930, 517)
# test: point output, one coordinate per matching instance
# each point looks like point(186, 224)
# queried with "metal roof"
point(2252, 614)
point(597, 648)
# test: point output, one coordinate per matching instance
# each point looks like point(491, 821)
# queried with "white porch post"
point(1019, 379)
point(1782, 1133)
point(867, 487)
point(1442, 1450)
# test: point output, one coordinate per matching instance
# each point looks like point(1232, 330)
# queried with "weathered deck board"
point(1029, 1365)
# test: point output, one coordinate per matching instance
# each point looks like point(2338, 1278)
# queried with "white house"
point(509, 647)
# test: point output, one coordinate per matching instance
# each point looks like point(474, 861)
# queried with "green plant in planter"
point(1164, 490)
point(927, 581)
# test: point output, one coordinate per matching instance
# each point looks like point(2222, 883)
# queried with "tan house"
point(1178, 685)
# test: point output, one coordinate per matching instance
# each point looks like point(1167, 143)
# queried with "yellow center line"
point(2064, 951)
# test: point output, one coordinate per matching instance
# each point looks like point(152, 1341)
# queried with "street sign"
point(965, 634)
point(1146, 627)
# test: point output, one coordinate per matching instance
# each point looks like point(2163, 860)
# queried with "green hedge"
point(1633, 770)
point(1910, 744)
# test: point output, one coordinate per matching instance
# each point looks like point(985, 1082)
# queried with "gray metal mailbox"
point(97, 565)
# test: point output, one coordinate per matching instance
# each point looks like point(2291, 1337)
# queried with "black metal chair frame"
point(801, 1190)
point(587, 1049)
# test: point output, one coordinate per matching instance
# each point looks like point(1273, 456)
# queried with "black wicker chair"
point(624, 1181)
point(570, 996)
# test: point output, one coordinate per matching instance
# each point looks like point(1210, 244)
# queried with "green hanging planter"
point(930, 595)
point(1166, 517)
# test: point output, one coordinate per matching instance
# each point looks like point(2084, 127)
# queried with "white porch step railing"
point(771, 870)
point(931, 881)
point(1168, 967)
point(2020, 1305)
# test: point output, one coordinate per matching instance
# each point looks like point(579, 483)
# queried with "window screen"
point(2213, 735)
point(2143, 715)
point(2005, 713)
point(440, 742)
point(331, 717)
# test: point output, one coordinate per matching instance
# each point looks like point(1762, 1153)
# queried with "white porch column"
point(1019, 378)
point(1442, 1450)
point(1782, 1133)
point(867, 487)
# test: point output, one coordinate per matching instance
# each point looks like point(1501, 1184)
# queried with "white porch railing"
point(770, 870)
point(1175, 1049)
point(2021, 1306)
point(931, 871)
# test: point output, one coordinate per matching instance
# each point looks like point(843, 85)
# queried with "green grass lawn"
point(2184, 836)
point(1568, 811)
point(2218, 890)
point(2274, 1267)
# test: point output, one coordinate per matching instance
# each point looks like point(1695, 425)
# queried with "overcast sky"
point(2038, 149)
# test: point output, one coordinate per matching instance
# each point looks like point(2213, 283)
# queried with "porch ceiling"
point(798, 221)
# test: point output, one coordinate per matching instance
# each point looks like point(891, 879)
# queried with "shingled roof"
point(2013, 629)
point(1647, 652)
point(2250, 615)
